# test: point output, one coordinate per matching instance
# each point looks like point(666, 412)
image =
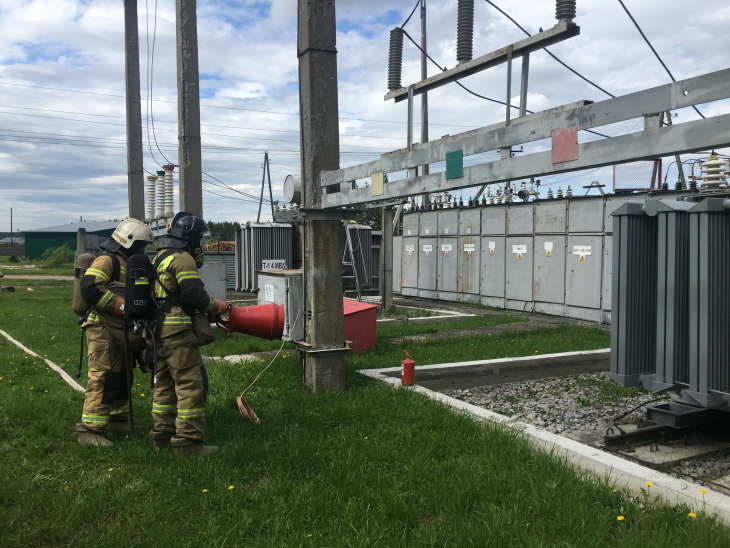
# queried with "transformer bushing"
point(395, 59)
point(151, 181)
point(465, 31)
point(160, 194)
point(565, 11)
point(169, 190)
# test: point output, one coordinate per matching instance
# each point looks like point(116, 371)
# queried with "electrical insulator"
point(395, 59)
point(465, 31)
point(151, 182)
point(550, 194)
point(692, 182)
point(161, 190)
point(713, 173)
point(565, 11)
point(560, 193)
point(484, 201)
point(491, 200)
point(569, 192)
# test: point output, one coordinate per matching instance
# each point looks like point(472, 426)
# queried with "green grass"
point(390, 330)
point(23, 283)
point(370, 466)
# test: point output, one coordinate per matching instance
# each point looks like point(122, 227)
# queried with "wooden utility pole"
point(188, 108)
point(135, 175)
point(324, 366)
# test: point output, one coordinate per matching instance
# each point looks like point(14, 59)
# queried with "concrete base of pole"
point(324, 370)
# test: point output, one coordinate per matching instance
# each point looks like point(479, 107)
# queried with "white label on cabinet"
point(548, 249)
point(470, 248)
point(582, 251)
point(492, 247)
point(427, 249)
point(446, 247)
point(268, 293)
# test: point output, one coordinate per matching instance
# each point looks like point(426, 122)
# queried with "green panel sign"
point(455, 164)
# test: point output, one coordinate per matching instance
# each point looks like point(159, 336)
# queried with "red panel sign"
point(565, 145)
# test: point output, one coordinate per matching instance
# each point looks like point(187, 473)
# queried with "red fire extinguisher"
point(407, 371)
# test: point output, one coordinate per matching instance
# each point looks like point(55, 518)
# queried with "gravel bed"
point(578, 403)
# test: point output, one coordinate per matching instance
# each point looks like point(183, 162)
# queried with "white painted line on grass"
point(65, 376)
point(626, 474)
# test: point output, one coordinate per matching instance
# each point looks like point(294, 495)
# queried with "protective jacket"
point(180, 290)
point(101, 287)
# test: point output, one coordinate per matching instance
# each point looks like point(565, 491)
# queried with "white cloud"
point(62, 154)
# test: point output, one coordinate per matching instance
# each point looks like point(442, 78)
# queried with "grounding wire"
point(147, 81)
point(500, 10)
point(652, 49)
point(151, 84)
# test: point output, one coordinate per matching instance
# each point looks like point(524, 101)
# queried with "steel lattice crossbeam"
point(676, 139)
point(560, 32)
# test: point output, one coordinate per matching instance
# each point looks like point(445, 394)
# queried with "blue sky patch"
point(54, 52)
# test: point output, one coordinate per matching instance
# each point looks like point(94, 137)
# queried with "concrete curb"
point(624, 474)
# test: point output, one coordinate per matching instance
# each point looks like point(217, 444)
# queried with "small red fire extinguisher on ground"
point(407, 371)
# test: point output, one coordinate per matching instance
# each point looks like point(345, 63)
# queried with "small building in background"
point(37, 241)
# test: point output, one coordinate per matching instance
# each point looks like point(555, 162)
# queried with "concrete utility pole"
point(324, 366)
point(135, 175)
point(188, 108)
point(424, 96)
point(387, 253)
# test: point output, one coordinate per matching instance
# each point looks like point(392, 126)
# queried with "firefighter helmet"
point(131, 231)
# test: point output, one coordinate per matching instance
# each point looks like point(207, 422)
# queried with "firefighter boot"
point(190, 446)
point(89, 437)
point(160, 439)
point(119, 427)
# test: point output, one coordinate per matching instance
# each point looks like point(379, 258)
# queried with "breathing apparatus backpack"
point(138, 302)
point(83, 262)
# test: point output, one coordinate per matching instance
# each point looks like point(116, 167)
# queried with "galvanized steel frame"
point(668, 140)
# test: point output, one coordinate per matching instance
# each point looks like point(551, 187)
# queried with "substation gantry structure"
point(336, 189)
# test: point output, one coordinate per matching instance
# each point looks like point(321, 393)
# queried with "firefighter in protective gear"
point(106, 406)
point(178, 408)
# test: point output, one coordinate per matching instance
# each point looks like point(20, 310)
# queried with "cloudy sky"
point(62, 132)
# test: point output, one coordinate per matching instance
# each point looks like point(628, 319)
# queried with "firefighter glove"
point(222, 307)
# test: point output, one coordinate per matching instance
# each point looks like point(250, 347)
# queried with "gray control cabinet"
point(583, 276)
point(492, 272)
point(448, 265)
point(448, 222)
point(470, 222)
point(427, 264)
point(549, 274)
point(409, 266)
point(410, 224)
point(285, 288)
point(494, 220)
point(520, 219)
point(550, 217)
point(519, 257)
point(469, 268)
point(428, 224)
point(585, 215)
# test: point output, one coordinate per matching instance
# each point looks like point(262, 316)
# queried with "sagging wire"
point(653, 50)
point(150, 82)
point(462, 86)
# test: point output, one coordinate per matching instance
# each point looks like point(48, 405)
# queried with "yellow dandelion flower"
point(230, 487)
point(141, 395)
point(1, 378)
point(620, 518)
point(26, 358)
point(309, 535)
point(649, 484)
point(111, 470)
point(53, 337)
point(45, 355)
point(65, 488)
point(692, 515)
point(703, 491)
point(367, 438)
point(31, 388)
point(45, 391)
point(537, 351)
point(205, 490)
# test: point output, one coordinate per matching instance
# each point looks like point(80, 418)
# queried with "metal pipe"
point(509, 82)
point(523, 83)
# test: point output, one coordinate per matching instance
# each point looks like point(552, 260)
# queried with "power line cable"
point(652, 49)
point(151, 84)
point(221, 107)
point(500, 10)
point(418, 3)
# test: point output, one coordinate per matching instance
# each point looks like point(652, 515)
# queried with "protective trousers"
point(181, 389)
point(106, 392)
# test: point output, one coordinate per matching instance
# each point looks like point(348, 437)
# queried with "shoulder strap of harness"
point(174, 298)
point(116, 266)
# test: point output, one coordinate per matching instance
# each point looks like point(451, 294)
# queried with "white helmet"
point(130, 231)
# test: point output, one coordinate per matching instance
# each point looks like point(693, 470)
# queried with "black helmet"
point(192, 229)
point(188, 227)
